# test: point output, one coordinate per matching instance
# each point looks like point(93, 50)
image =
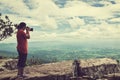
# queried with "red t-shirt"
point(22, 44)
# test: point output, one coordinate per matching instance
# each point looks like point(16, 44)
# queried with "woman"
point(22, 47)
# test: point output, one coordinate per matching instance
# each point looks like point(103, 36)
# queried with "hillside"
point(89, 69)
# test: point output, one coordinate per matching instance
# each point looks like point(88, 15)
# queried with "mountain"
point(59, 51)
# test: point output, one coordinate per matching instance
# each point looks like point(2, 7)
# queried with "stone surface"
point(103, 68)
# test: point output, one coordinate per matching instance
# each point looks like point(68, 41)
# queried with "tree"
point(6, 27)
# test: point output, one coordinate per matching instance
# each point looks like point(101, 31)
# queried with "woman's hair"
point(21, 25)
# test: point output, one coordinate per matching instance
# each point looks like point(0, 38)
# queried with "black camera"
point(30, 29)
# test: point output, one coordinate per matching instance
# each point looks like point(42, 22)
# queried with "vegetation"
point(6, 27)
point(3, 57)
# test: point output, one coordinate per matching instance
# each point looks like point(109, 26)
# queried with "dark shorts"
point(22, 59)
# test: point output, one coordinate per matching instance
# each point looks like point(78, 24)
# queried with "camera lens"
point(31, 29)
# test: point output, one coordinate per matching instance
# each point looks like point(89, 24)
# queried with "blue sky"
point(66, 20)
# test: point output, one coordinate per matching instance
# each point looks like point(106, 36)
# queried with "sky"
point(66, 20)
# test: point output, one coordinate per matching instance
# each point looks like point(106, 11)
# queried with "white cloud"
point(42, 36)
point(38, 16)
point(76, 22)
point(49, 23)
point(16, 6)
point(101, 32)
point(76, 8)
point(47, 15)
point(115, 20)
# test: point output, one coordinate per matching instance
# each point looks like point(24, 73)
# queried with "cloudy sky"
point(66, 20)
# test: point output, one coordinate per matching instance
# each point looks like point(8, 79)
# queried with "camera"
point(30, 29)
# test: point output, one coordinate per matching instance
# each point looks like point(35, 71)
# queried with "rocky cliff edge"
point(89, 69)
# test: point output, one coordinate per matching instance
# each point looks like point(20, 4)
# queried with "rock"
point(11, 64)
point(8, 64)
point(91, 69)
point(97, 68)
point(1, 69)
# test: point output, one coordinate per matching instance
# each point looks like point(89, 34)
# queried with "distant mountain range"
point(54, 51)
